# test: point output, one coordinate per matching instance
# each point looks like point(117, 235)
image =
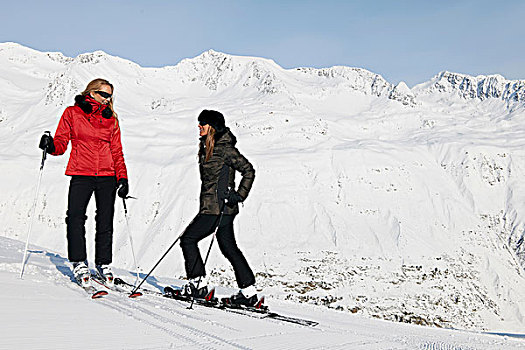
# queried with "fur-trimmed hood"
point(87, 104)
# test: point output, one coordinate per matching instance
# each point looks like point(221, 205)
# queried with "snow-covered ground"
point(45, 310)
point(376, 200)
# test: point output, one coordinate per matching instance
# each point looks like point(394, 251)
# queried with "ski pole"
point(158, 262)
point(154, 267)
point(206, 259)
point(130, 238)
point(44, 155)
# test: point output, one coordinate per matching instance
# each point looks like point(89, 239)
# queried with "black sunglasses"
point(202, 123)
point(103, 94)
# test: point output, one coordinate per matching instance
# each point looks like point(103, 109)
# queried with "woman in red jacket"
point(96, 165)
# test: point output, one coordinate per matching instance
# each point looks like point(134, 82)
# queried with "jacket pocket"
point(106, 129)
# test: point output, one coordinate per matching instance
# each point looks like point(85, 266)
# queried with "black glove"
point(46, 144)
point(122, 188)
point(233, 198)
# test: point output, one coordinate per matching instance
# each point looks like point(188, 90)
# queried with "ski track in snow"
point(442, 346)
point(154, 322)
point(193, 336)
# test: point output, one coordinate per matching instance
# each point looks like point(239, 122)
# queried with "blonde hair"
point(95, 85)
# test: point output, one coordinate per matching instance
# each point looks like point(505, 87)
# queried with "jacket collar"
point(224, 137)
point(89, 106)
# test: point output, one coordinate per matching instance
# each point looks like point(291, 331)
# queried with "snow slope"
point(380, 200)
point(46, 310)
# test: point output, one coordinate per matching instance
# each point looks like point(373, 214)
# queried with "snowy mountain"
point(480, 87)
point(370, 198)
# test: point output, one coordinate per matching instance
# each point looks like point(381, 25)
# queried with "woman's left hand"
point(233, 198)
point(122, 188)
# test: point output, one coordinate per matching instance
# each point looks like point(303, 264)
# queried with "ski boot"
point(104, 272)
point(81, 273)
point(239, 300)
point(189, 290)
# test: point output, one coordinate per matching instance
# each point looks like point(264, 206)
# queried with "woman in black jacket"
point(218, 161)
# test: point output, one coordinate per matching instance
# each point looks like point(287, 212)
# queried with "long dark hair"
point(209, 144)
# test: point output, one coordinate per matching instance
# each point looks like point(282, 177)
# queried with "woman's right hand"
point(46, 144)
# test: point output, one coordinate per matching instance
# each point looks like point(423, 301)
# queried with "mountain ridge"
point(218, 71)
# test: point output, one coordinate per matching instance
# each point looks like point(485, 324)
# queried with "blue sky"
point(401, 40)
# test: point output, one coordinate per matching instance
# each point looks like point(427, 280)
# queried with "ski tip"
point(210, 295)
point(135, 295)
point(170, 291)
point(99, 294)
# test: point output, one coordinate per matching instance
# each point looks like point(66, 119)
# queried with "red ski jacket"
point(95, 138)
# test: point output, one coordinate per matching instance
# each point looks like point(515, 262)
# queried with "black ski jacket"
point(218, 174)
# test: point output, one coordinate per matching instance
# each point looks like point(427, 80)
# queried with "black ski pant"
point(80, 190)
point(201, 227)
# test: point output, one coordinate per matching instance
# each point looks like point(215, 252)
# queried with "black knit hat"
point(213, 118)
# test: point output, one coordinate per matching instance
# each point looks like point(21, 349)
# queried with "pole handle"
point(44, 152)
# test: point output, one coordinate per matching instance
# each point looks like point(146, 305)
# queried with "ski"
point(260, 311)
point(123, 284)
point(94, 292)
point(211, 301)
point(251, 312)
point(114, 286)
point(208, 300)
